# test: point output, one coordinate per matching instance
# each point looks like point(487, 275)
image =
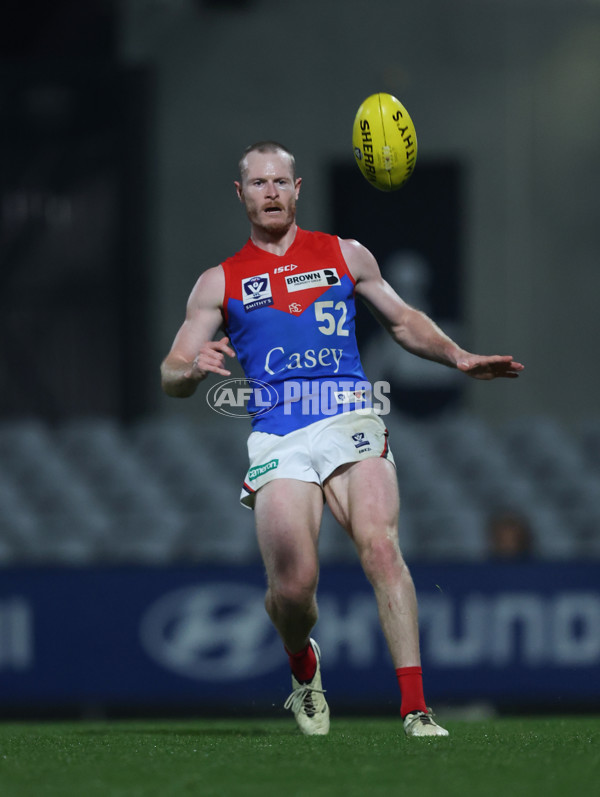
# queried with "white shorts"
point(312, 453)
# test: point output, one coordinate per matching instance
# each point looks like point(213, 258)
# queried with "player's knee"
point(381, 559)
point(297, 590)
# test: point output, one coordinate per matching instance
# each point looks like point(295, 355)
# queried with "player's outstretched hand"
point(211, 359)
point(496, 365)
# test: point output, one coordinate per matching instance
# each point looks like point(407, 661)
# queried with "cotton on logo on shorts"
point(237, 397)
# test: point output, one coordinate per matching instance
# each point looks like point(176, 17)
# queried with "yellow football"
point(384, 141)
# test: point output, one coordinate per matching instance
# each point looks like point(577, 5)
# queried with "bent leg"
point(288, 517)
point(363, 497)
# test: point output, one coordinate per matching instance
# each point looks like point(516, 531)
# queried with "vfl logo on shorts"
point(321, 278)
point(260, 470)
point(256, 292)
point(359, 440)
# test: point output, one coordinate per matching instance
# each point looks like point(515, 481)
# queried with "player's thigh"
point(363, 497)
point(288, 516)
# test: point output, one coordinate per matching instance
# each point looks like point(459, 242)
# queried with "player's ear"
point(297, 185)
point(239, 190)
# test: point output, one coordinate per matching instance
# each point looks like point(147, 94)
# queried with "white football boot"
point(308, 703)
point(420, 723)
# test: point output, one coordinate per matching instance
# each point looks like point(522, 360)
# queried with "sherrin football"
point(384, 141)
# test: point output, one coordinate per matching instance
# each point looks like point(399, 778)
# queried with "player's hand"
point(211, 359)
point(496, 365)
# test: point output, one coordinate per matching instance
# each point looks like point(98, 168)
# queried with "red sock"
point(410, 681)
point(303, 663)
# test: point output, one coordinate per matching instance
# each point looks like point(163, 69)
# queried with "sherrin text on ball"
point(384, 141)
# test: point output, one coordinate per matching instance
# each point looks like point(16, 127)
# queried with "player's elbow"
point(407, 327)
point(174, 384)
point(169, 388)
point(177, 389)
point(399, 331)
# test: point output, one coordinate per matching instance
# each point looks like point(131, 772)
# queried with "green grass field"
point(507, 756)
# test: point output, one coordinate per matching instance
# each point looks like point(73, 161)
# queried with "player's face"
point(269, 191)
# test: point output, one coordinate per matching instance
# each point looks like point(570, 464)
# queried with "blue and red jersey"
point(291, 321)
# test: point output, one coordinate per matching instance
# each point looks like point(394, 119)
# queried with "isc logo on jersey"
point(320, 278)
point(281, 269)
point(256, 292)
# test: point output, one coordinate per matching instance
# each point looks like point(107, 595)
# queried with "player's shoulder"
point(209, 288)
point(350, 246)
point(213, 275)
point(359, 259)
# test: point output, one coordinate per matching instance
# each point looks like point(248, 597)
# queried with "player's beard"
point(279, 224)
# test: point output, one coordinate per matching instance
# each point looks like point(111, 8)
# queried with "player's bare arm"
point(413, 329)
point(194, 354)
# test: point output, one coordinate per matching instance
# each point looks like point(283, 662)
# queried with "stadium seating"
point(165, 490)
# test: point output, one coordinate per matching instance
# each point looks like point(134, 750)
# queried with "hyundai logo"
point(214, 632)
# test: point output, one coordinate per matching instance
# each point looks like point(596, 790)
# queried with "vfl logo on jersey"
point(256, 292)
point(322, 278)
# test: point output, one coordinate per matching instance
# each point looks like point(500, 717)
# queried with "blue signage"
point(200, 637)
